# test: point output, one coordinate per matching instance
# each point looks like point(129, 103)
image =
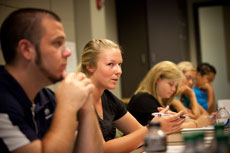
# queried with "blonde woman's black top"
point(142, 105)
point(113, 109)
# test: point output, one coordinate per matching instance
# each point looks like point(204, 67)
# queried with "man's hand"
point(74, 90)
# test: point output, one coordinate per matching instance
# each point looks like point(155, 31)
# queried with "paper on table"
point(173, 149)
point(206, 128)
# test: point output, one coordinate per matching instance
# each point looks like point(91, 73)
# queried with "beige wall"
point(213, 47)
point(58, 6)
point(92, 23)
point(214, 36)
point(83, 21)
point(191, 32)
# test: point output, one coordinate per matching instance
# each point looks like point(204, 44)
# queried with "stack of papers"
point(208, 131)
point(205, 129)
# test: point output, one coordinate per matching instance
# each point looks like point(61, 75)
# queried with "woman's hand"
point(170, 124)
point(186, 90)
point(165, 110)
point(203, 120)
point(212, 120)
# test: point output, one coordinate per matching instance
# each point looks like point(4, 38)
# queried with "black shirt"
point(142, 105)
point(113, 109)
point(18, 125)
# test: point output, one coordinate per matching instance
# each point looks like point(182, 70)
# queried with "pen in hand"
point(161, 115)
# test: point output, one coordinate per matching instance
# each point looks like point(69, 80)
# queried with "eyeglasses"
point(188, 77)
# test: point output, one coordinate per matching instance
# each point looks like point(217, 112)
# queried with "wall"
point(82, 22)
point(57, 6)
point(167, 31)
point(213, 47)
point(191, 31)
point(93, 23)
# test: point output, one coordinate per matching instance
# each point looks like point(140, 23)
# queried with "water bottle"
point(222, 117)
point(155, 139)
point(218, 131)
point(222, 145)
point(199, 141)
point(190, 143)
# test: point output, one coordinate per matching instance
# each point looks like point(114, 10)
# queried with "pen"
point(161, 114)
point(212, 116)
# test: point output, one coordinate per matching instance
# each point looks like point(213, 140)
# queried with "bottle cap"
point(154, 124)
point(219, 127)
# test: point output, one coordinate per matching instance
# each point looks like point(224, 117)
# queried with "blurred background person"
point(203, 87)
point(186, 98)
point(157, 90)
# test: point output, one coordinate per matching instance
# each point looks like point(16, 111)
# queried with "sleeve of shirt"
point(118, 106)
point(10, 134)
point(121, 109)
point(14, 130)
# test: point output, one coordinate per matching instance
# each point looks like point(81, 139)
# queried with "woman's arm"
point(134, 134)
point(193, 101)
point(203, 111)
point(211, 100)
point(194, 105)
point(180, 107)
point(200, 122)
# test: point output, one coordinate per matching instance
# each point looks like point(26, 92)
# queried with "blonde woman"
point(101, 62)
point(157, 90)
point(186, 99)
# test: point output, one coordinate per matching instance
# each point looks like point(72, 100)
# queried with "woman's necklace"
point(99, 110)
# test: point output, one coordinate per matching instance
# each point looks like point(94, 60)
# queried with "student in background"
point(186, 98)
point(101, 61)
point(203, 87)
point(156, 90)
point(32, 118)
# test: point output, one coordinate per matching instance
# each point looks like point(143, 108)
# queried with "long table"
point(175, 142)
point(172, 141)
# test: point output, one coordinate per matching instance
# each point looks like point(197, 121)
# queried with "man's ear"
point(90, 68)
point(26, 49)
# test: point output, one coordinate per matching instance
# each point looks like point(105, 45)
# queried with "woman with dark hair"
point(203, 87)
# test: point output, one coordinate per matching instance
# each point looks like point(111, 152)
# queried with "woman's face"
point(166, 87)
point(189, 78)
point(108, 70)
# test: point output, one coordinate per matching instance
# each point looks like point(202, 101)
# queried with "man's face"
point(52, 56)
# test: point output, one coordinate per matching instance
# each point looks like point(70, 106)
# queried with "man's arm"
point(71, 95)
point(59, 139)
point(89, 137)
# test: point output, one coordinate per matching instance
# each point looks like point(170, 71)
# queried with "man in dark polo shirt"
point(32, 118)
